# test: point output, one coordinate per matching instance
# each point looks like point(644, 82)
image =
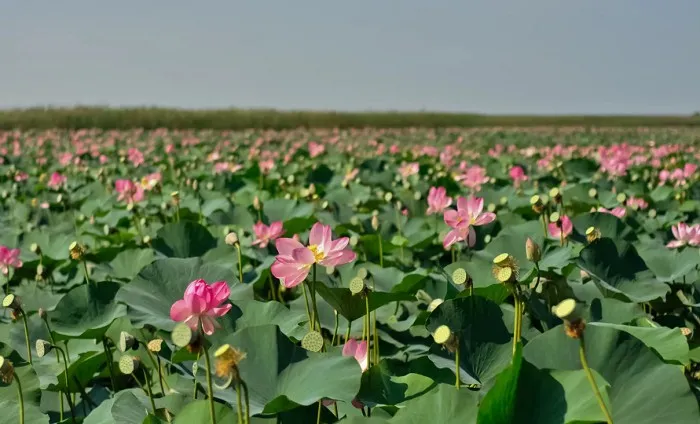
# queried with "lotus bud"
point(127, 341)
point(43, 348)
point(76, 251)
point(232, 239)
point(256, 203)
point(375, 223)
point(532, 251)
point(7, 371)
point(569, 311)
point(592, 234)
point(444, 336)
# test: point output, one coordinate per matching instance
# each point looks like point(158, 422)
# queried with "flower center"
point(318, 253)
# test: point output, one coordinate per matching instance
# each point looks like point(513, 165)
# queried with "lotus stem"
point(247, 402)
point(347, 332)
point(65, 370)
point(318, 414)
point(375, 338)
point(150, 391)
point(516, 319)
point(591, 379)
point(367, 325)
point(457, 382)
point(240, 262)
point(20, 395)
point(53, 341)
point(87, 273)
point(210, 390)
point(194, 393)
point(26, 335)
point(335, 328)
point(316, 315)
point(308, 312)
point(381, 250)
point(544, 225)
point(239, 402)
point(110, 363)
point(160, 375)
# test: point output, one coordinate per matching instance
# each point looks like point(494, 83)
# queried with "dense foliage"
point(240, 119)
point(370, 276)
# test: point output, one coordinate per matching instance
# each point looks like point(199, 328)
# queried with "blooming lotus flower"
point(359, 350)
point(201, 305)
point(438, 200)
point(135, 157)
point(21, 176)
point(637, 202)
point(567, 227)
point(128, 191)
point(619, 211)
point(9, 258)
point(685, 235)
point(57, 180)
point(265, 234)
point(408, 169)
point(473, 176)
point(316, 149)
point(469, 214)
point(517, 174)
point(294, 261)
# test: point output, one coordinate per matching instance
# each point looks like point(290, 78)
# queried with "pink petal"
point(474, 206)
point(471, 238)
point(193, 322)
point(451, 238)
point(285, 246)
point(220, 311)
point(180, 311)
point(339, 258)
point(485, 218)
point(350, 347)
point(220, 293)
point(208, 325)
point(339, 244)
point(361, 355)
point(554, 230)
point(451, 218)
point(316, 234)
point(303, 256)
point(675, 243)
point(196, 296)
point(462, 204)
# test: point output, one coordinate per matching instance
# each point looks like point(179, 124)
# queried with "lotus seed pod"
point(491, 207)
point(155, 345)
point(354, 240)
point(388, 196)
point(146, 239)
point(532, 251)
point(442, 335)
point(128, 364)
point(487, 239)
point(126, 341)
point(554, 217)
point(357, 285)
point(11, 302)
point(231, 239)
point(622, 197)
point(434, 304)
point(130, 207)
point(567, 310)
point(687, 332)
point(592, 234)
point(555, 194)
point(43, 348)
point(375, 222)
point(312, 341)
point(593, 193)
point(505, 275)
point(182, 335)
point(502, 259)
point(35, 248)
point(459, 276)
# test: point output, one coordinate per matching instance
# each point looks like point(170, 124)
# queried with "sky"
point(497, 56)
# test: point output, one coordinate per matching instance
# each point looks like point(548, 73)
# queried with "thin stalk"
point(273, 289)
point(110, 364)
point(457, 382)
point(318, 414)
point(21, 399)
point(369, 329)
point(240, 263)
point(150, 391)
point(516, 320)
point(85, 270)
point(313, 296)
point(239, 402)
point(53, 341)
point(247, 402)
point(381, 250)
point(65, 370)
point(26, 336)
point(210, 390)
point(308, 312)
point(335, 328)
point(60, 406)
point(544, 225)
point(375, 339)
point(347, 332)
point(561, 236)
point(160, 375)
point(591, 379)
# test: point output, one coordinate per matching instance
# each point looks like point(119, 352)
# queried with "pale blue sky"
point(514, 56)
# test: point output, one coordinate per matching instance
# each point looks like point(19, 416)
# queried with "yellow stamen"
point(319, 255)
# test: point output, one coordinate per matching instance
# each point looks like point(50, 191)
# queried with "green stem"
point(347, 332)
point(247, 402)
point(591, 379)
point(21, 399)
point(110, 364)
point(308, 312)
point(60, 406)
point(160, 375)
point(335, 328)
point(381, 250)
point(26, 336)
point(369, 329)
point(194, 394)
point(544, 225)
point(210, 390)
point(457, 382)
point(516, 321)
point(150, 391)
point(240, 263)
point(87, 274)
point(53, 341)
point(239, 402)
point(65, 370)
point(313, 297)
point(318, 414)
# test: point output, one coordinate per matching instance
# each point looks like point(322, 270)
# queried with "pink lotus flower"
point(408, 169)
point(135, 157)
point(57, 180)
point(619, 211)
point(128, 191)
point(567, 227)
point(150, 181)
point(294, 261)
point(9, 258)
point(685, 235)
point(316, 149)
point(265, 234)
point(438, 200)
point(469, 214)
point(473, 176)
point(517, 174)
point(637, 202)
point(21, 176)
point(359, 351)
point(201, 305)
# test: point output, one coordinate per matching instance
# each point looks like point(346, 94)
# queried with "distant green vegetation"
point(236, 119)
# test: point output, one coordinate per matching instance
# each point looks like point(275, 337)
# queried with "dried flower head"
point(155, 345)
point(537, 204)
point(592, 234)
point(227, 360)
point(7, 371)
point(77, 251)
point(505, 268)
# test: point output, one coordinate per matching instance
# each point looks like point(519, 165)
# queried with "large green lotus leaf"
point(619, 269)
point(30, 387)
point(130, 406)
point(255, 313)
point(184, 239)
point(381, 387)
point(390, 279)
point(609, 225)
point(10, 413)
point(198, 412)
point(353, 307)
point(286, 209)
point(35, 296)
point(443, 404)
point(129, 262)
point(600, 308)
point(53, 245)
point(485, 342)
point(282, 376)
point(153, 291)
point(667, 264)
point(642, 387)
point(499, 404)
point(87, 310)
point(669, 343)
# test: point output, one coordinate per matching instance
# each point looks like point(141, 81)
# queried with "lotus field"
point(365, 276)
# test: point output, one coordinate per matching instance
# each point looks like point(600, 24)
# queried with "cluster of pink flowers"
point(678, 176)
point(57, 181)
point(294, 260)
point(9, 258)
point(637, 202)
point(472, 176)
point(685, 235)
point(128, 191)
point(469, 214)
point(150, 181)
point(316, 149)
point(517, 174)
point(135, 157)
